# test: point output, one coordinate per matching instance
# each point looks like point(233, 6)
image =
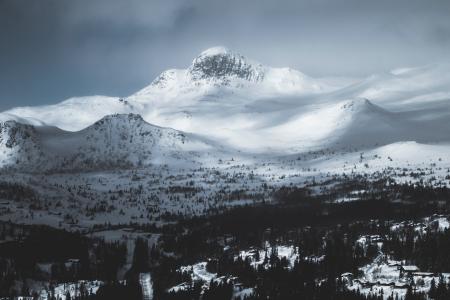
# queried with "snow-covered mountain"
point(121, 140)
point(216, 73)
point(226, 97)
point(220, 70)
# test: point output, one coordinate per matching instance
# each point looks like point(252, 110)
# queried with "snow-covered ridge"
point(72, 114)
point(4, 117)
point(120, 140)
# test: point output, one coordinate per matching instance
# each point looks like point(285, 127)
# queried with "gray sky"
point(54, 49)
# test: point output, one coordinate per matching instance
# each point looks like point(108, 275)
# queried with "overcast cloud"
point(54, 49)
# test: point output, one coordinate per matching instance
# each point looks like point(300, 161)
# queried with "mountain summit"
point(219, 63)
point(219, 69)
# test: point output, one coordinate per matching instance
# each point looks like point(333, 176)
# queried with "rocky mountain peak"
point(220, 63)
point(120, 118)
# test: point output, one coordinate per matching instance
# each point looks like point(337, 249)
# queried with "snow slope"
point(402, 161)
point(342, 125)
point(414, 88)
point(74, 113)
point(368, 125)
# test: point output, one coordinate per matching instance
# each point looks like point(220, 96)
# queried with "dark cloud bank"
point(54, 49)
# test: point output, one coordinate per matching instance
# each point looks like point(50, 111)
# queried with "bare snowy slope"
point(344, 125)
point(368, 125)
point(72, 114)
point(410, 88)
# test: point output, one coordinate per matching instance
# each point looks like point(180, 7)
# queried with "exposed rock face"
point(222, 64)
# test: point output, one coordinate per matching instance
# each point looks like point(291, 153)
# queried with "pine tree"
point(432, 291)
